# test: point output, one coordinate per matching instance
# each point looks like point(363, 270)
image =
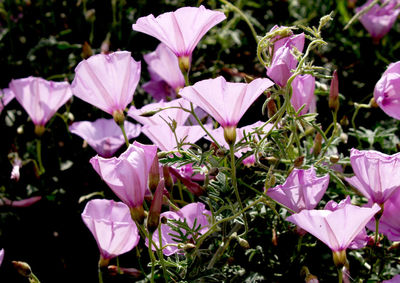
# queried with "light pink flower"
point(379, 20)
point(387, 91)
point(195, 215)
point(164, 116)
point(336, 229)
point(180, 30)
point(128, 174)
point(226, 102)
point(377, 175)
point(1, 256)
point(40, 98)
point(303, 93)
point(104, 135)
point(6, 95)
point(301, 190)
point(107, 81)
point(112, 227)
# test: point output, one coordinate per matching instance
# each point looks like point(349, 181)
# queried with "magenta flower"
point(164, 138)
point(107, 81)
point(335, 228)
point(379, 20)
point(226, 102)
point(303, 93)
point(164, 116)
point(1, 256)
point(112, 227)
point(301, 190)
point(40, 98)
point(163, 66)
point(128, 174)
point(283, 61)
point(6, 95)
point(104, 135)
point(377, 175)
point(387, 91)
point(195, 215)
point(180, 30)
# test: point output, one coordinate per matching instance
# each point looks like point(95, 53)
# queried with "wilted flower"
point(303, 93)
point(112, 227)
point(377, 175)
point(107, 81)
point(379, 20)
point(104, 135)
point(6, 95)
point(301, 190)
point(387, 91)
point(40, 98)
point(19, 203)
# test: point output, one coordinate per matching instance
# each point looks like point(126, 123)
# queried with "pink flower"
point(19, 203)
point(395, 279)
point(128, 174)
point(303, 93)
point(1, 256)
point(387, 91)
point(6, 95)
point(162, 117)
point(301, 190)
point(107, 81)
point(195, 215)
point(163, 65)
point(112, 227)
point(226, 102)
point(180, 30)
point(104, 135)
point(283, 61)
point(40, 98)
point(377, 175)
point(335, 228)
point(379, 20)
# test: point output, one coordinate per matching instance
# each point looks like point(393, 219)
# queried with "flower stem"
point(340, 275)
point(161, 256)
point(121, 125)
point(39, 155)
point(151, 257)
point(100, 274)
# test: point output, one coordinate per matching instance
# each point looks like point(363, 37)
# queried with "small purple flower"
point(377, 175)
point(6, 95)
point(379, 20)
point(303, 93)
point(387, 91)
point(104, 135)
point(112, 227)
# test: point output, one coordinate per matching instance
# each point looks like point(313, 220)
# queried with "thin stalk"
point(161, 256)
point(124, 133)
point(186, 75)
point(340, 275)
point(100, 274)
point(39, 155)
point(151, 257)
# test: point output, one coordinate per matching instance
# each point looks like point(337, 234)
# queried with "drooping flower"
point(387, 91)
point(302, 190)
point(283, 61)
point(180, 30)
point(40, 98)
point(377, 175)
point(225, 102)
point(163, 66)
point(19, 203)
point(172, 112)
point(303, 93)
point(380, 19)
point(337, 229)
point(107, 81)
point(6, 95)
point(112, 227)
point(128, 174)
point(104, 135)
point(196, 217)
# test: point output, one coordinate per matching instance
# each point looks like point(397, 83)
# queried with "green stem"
point(151, 257)
point(161, 256)
point(340, 275)
point(100, 274)
point(124, 133)
point(39, 155)
point(186, 75)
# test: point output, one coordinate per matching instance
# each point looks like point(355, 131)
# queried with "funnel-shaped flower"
point(301, 190)
point(104, 135)
point(387, 91)
point(303, 93)
point(377, 175)
point(337, 229)
point(180, 30)
point(112, 227)
point(172, 112)
point(196, 217)
point(379, 20)
point(40, 98)
point(128, 174)
point(226, 102)
point(107, 81)
point(6, 95)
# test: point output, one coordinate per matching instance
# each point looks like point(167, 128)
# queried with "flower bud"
point(119, 117)
point(298, 162)
point(184, 64)
point(230, 134)
point(115, 270)
point(167, 178)
point(334, 93)
point(153, 218)
point(22, 267)
point(189, 247)
point(154, 175)
point(39, 130)
point(334, 158)
point(243, 243)
point(317, 144)
point(339, 258)
point(271, 107)
point(137, 213)
point(103, 262)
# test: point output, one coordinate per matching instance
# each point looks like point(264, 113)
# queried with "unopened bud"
point(20, 130)
point(22, 267)
point(90, 15)
point(373, 103)
point(298, 162)
point(154, 175)
point(167, 178)
point(137, 213)
point(39, 130)
point(269, 182)
point(230, 134)
point(339, 258)
point(334, 93)
point(271, 107)
point(184, 64)
point(334, 158)
point(115, 270)
point(243, 243)
point(86, 50)
point(153, 218)
point(274, 239)
point(344, 137)
point(119, 116)
point(344, 121)
point(189, 247)
point(248, 79)
point(317, 144)
point(149, 113)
